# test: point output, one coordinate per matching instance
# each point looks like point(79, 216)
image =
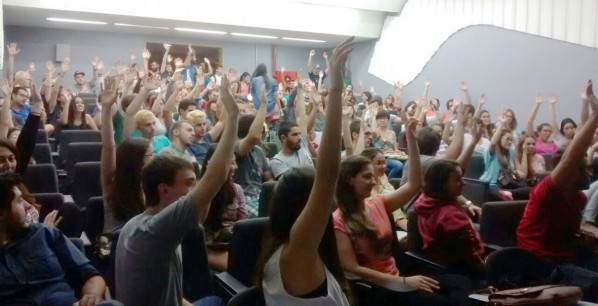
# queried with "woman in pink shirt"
point(543, 142)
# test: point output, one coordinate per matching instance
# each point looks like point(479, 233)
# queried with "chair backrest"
point(111, 273)
point(272, 149)
point(197, 280)
point(476, 191)
point(395, 182)
point(244, 249)
point(253, 296)
point(402, 139)
point(42, 154)
point(71, 224)
point(265, 197)
point(41, 178)
point(67, 136)
point(414, 238)
point(82, 152)
point(499, 221)
point(476, 167)
point(94, 213)
point(86, 182)
point(548, 161)
point(42, 136)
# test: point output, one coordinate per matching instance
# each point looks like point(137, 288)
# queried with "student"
point(315, 72)
point(203, 138)
point(181, 135)
point(36, 257)
point(74, 117)
point(544, 131)
point(148, 264)
point(552, 218)
point(82, 86)
point(19, 107)
point(294, 152)
point(529, 164)
point(300, 263)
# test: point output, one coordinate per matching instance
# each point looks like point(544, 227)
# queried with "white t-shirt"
point(275, 294)
point(282, 163)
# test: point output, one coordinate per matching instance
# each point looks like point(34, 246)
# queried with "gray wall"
point(39, 44)
point(509, 66)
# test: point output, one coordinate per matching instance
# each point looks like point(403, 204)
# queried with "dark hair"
point(73, 108)
point(564, 122)
point(368, 95)
point(355, 219)
point(469, 109)
point(377, 99)
point(261, 71)
point(15, 90)
point(7, 183)
point(487, 129)
point(288, 201)
point(177, 125)
point(124, 195)
point(5, 143)
point(223, 198)
point(436, 177)
point(409, 105)
point(448, 103)
point(428, 141)
point(244, 125)
point(162, 169)
point(285, 128)
point(355, 126)
point(514, 121)
point(184, 105)
point(541, 127)
point(383, 114)
point(520, 150)
point(371, 153)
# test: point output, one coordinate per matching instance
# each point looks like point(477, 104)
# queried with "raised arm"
point(219, 167)
point(476, 133)
point(532, 114)
point(500, 124)
point(5, 117)
point(64, 116)
point(96, 65)
point(585, 107)
point(571, 161)
point(129, 123)
point(325, 56)
point(465, 90)
point(398, 104)
point(145, 54)
point(309, 61)
point(10, 69)
point(481, 101)
point(254, 135)
point(552, 113)
point(399, 197)
point(190, 53)
point(456, 147)
point(26, 141)
point(301, 115)
point(298, 260)
point(164, 58)
point(347, 140)
point(108, 158)
point(427, 84)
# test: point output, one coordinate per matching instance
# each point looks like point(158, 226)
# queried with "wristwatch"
point(468, 203)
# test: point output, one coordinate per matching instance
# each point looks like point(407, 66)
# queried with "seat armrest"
point(229, 284)
point(489, 248)
point(424, 260)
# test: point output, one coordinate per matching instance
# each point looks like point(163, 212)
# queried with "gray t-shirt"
point(251, 167)
point(282, 163)
point(170, 150)
point(111, 224)
point(148, 257)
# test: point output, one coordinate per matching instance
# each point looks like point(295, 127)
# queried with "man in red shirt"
point(552, 218)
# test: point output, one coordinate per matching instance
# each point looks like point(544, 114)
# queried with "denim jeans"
point(394, 168)
point(211, 300)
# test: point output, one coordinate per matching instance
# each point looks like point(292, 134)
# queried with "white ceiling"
point(328, 20)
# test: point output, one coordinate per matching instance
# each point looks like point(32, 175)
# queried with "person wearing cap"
point(81, 86)
point(315, 72)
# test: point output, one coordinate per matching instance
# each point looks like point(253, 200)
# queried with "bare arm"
point(5, 116)
point(301, 115)
point(309, 62)
point(476, 133)
point(10, 69)
point(521, 167)
point(347, 141)
point(325, 55)
point(190, 53)
point(585, 108)
point(145, 54)
point(64, 116)
point(569, 165)
point(92, 124)
point(481, 101)
point(135, 106)
point(95, 66)
point(496, 136)
point(300, 256)
point(108, 157)
point(164, 58)
point(532, 114)
point(456, 147)
point(219, 166)
point(427, 84)
point(92, 291)
point(552, 113)
point(446, 132)
point(254, 135)
point(311, 120)
point(466, 92)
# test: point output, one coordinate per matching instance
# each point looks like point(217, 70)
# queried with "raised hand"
point(398, 85)
point(348, 112)
point(591, 96)
point(463, 86)
point(35, 97)
point(31, 67)
point(5, 87)
point(462, 115)
point(166, 46)
point(100, 65)
point(427, 83)
point(50, 66)
point(169, 58)
point(52, 219)
point(360, 84)
point(482, 99)
point(282, 69)
point(412, 125)
point(325, 55)
point(120, 67)
point(552, 99)
point(146, 54)
point(321, 74)
point(502, 118)
point(190, 49)
point(133, 57)
point(12, 49)
point(232, 109)
point(94, 62)
point(206, 60)
point(312, 53)
point(151, 83)
point(109, 92)
point(539, 98)
point(263, 99)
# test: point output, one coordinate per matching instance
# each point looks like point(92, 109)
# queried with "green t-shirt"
point(118, 121)
point(160, 142)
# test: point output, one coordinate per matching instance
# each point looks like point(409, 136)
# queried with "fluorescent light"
point(304, 39)
point(254, 35)
point(200, 31)
point(75, 20)
point(139, 26)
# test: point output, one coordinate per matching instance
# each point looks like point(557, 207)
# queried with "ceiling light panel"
point(254, 35)
point(140, 26)
point(200, 31)
point(75, 20)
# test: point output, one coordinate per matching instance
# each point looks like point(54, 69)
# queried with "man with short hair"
point(148, 256)
point(81, 86)
point(294, 152)
point(315, 72)
point(38, 264)
point(203, 139)
point(181, 135)
point(18, 107)
point(145, 122)
point(186, 106)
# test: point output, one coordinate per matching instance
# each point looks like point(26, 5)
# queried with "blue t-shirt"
point(493, 165)
point(159, 142)
point(200, 149)
point(21, 115)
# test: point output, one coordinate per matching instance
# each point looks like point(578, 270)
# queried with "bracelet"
point(468, 203)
